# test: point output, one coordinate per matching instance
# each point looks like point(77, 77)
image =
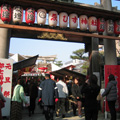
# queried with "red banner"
point(115, 70)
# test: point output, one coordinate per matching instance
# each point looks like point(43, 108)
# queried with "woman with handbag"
point(2, 100)
point(111, 95)
point(17, 99)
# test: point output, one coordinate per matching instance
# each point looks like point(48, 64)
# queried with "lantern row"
point(85, 23)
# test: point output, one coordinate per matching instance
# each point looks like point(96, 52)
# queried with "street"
point(38, 115)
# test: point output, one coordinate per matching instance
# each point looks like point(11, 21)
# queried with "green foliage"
point(78, 54)
point(85, 67)
point(59, 63)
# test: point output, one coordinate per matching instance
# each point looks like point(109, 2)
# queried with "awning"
point(25, 63)
point(63, 72)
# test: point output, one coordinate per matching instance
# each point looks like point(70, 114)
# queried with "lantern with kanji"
point(30, 16)
point(73, 21)
point(53, 18)
point(6, 13)
point(41, 16)
point(117, 27)
point(83, 22)
point(109, 27)
point(92, 24)
point(17, 15)
point(101, 25)
point(63, 20)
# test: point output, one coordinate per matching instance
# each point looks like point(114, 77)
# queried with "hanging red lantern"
point(92, 24)
point(53, 18)
point(17, 16)
point(30, 16)
point(63, 20)
point(41, 16)
point(117, 27)
point(6, 13)
point(73, 21)
point(101, 24)
point(83, 22)
point(109, 27)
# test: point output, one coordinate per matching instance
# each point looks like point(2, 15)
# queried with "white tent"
point(54, 67)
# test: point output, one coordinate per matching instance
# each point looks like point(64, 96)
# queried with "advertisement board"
point(115, 70)
point(6, 67)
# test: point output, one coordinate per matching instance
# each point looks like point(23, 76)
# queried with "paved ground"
point(39, 116)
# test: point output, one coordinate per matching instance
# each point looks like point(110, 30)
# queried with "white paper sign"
point(6, 68)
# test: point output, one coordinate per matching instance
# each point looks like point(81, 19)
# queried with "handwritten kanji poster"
point(115, 70)
point(6, 68)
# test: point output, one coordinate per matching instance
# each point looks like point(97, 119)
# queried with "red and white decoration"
point(73, 21)
point(17, 15)
point(41, 16)
point(92, 24)
point(117, 27)
point(6, 13)
point(101, 25)
point(53, 18)
point(109, 26)
point(30, 16)
point(83, 22)
point(63, 20)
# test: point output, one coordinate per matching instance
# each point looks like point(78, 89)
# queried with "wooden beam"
point(79, 9)
point(57, 31)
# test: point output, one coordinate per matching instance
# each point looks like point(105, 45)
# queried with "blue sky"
point(63, 50)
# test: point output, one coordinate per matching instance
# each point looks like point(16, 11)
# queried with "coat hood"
point(113, 82)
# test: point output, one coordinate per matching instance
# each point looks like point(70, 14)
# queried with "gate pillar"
point(5, 35)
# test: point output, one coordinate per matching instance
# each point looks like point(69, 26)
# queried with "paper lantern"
point(63, 20)
point(53, 18)
point(117, 27)
point(6, 13)
point(101, 25)
point(92, 24)
point(41, 16)
point(83, 22)
point(109, 27)
point(17, 15)
point(30, 16)
point(73, 21)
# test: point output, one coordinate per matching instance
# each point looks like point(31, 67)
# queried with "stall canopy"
point(63, 72)
point(25, 63)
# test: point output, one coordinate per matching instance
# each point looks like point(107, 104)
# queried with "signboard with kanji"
point(6, 68)
point(115, 70)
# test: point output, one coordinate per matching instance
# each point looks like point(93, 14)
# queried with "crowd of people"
point(60, 95)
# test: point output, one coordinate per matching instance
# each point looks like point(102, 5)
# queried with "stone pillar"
point(5, 35)
point(109, 45)
point(95, 59)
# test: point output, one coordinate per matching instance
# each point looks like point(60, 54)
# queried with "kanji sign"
point(6, 67)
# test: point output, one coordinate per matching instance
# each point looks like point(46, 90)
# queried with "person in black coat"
point(76, 92)
point(111, 95)
point(91, 90)
point(33, 93)
point(48, 95)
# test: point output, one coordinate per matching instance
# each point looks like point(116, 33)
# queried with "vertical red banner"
point(115, 70)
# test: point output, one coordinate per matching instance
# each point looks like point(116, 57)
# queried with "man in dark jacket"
point(48, 94)
point(111, 95)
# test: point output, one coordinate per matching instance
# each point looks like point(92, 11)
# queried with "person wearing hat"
point(48, 95)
